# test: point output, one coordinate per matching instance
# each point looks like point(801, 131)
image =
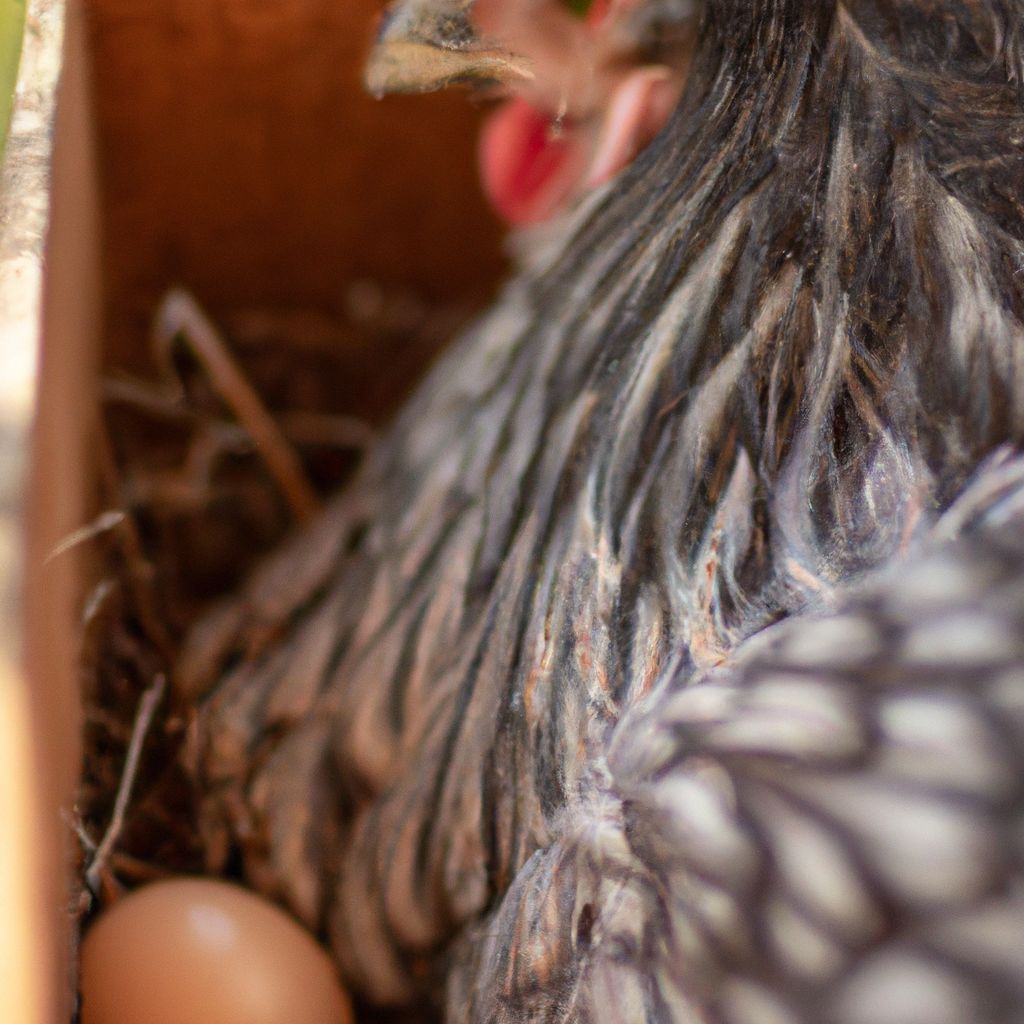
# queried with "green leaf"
point(12, 22)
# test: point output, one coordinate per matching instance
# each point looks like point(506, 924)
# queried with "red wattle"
point(598, 12)
point(527, 173)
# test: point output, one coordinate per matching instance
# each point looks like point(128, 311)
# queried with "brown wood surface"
point(241, 157)
point(49, 245)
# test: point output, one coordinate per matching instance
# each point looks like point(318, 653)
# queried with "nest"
point(202, 468)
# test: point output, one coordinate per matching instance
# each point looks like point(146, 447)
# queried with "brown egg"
point(197, 951)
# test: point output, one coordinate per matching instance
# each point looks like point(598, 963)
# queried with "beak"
point(425, 45)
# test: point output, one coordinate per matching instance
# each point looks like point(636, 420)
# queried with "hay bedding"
point(190, 507)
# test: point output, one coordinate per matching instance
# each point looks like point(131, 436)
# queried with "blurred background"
point(240, 156)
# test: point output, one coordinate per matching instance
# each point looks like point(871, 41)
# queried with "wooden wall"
point(240, 156)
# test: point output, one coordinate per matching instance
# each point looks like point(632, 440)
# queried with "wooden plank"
point(46, 223)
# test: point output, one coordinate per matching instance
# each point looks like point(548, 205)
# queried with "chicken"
point(591, 91)
point(666, 661)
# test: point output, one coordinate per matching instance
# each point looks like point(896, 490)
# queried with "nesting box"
point(227, 147)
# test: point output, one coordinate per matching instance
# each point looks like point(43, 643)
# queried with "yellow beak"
point(425, 45)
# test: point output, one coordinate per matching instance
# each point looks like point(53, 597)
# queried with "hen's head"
point(585, 84)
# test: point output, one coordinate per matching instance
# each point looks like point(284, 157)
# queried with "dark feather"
point(746, 378)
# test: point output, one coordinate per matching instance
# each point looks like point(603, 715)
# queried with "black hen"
point(520, 718)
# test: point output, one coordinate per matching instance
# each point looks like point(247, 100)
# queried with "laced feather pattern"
point(596, 696)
